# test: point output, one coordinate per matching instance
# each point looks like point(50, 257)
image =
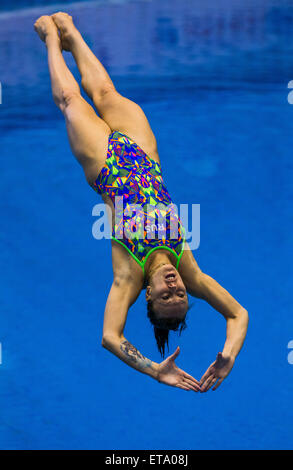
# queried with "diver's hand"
point(170, 374)
point(217, 372)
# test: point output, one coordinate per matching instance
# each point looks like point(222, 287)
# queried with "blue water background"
point(212, 80)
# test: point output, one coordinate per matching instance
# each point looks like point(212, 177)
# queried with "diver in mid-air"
point(118, 153)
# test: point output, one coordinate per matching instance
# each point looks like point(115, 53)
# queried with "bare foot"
point(45, 27)
point(66, 29)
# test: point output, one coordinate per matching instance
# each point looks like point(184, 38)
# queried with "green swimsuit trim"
point(163, 247)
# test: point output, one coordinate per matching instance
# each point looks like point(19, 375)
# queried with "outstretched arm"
point(123, 293)
point(237, 322)
point(125, 289)
point(114, 321)
point(236, 316)
point(120, 298)
point(205, 287)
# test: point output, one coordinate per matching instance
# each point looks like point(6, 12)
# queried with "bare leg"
point(118, 112)
point(88, 134)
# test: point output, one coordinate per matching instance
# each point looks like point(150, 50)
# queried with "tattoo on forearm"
point(134, 355)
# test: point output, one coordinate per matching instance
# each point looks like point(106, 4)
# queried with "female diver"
point(118, 154)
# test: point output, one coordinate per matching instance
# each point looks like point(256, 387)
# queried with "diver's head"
point(167, 303)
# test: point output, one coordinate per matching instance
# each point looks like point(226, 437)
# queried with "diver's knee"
point(66, 97)
point(104, 92)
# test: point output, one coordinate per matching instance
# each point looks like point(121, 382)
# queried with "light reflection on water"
point(155, 48)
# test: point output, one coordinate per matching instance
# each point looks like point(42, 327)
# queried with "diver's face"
point(167, 293)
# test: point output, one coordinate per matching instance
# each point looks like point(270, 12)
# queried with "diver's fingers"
point(205, 376)
point(191, 384)
point(218, 384)
point(184, 387)
point(175, 354)
point(187, 376)
point(204, 386)
point(212, 382)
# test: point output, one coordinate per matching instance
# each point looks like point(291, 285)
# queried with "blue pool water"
point(213, 83)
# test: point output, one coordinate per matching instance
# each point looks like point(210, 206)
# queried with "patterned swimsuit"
point(145, 217)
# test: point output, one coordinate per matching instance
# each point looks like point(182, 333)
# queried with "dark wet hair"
point(162, 328)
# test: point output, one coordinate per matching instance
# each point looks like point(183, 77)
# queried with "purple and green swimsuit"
point(147, 220)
